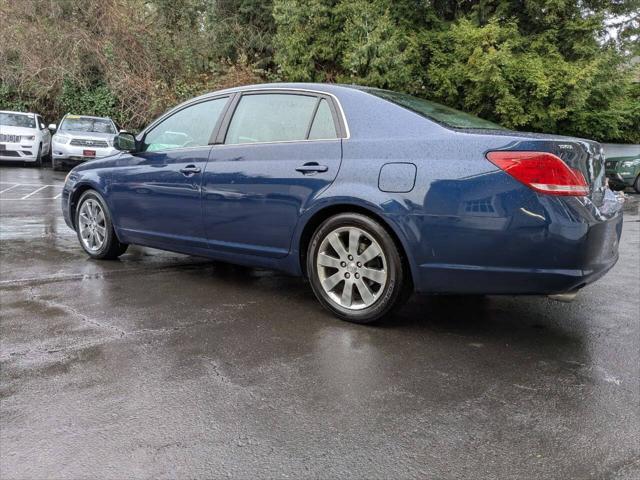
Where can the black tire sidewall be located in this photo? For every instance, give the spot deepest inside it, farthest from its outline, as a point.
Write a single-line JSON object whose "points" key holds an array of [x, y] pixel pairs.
{"points": [[111, 244], [394, 291], [39, 157], [636, 184]]}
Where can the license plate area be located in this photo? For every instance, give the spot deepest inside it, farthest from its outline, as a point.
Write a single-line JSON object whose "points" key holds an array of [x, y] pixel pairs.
{"points": [[89, 153]]}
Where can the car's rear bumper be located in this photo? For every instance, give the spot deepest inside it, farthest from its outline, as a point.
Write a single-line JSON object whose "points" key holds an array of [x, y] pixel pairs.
{"points": [[471, 279], [556, 246]]}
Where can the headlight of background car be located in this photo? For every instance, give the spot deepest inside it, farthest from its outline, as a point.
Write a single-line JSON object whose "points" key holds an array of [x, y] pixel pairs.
{"points": [[61, 139]]}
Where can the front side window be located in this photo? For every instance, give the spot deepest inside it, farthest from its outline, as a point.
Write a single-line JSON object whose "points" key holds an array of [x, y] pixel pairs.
{"points": [[17, 120], [189, 127], [271, 117], [76, 123]]}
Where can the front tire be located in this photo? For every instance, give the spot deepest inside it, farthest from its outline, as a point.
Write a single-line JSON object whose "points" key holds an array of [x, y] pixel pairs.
{"points": [[38, 162], [636, 184], [355, 268], [95, 229]]}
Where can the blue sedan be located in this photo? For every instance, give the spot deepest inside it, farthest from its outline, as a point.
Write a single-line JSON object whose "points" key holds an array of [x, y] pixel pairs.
{"points": [[368, 193]]}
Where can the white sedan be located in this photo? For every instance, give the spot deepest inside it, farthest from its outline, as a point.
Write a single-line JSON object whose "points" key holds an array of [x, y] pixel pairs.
{"points": [[24, 137]]}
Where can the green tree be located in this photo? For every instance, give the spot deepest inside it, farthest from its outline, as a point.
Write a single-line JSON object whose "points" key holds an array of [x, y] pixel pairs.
{"points": [[542, 65]]}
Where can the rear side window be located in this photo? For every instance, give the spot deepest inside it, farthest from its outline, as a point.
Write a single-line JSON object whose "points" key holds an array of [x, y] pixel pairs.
{"points": [[190, 127], [434, 111], [323, 126], [271, 117]]}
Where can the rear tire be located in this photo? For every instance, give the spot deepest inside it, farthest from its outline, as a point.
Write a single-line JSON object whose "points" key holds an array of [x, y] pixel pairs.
{"points": [[356, 269], [95, 229], [636, 184]]}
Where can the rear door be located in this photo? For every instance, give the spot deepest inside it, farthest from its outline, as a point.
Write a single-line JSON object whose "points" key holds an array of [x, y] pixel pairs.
{"points": [[156, 194], [278, 150]]}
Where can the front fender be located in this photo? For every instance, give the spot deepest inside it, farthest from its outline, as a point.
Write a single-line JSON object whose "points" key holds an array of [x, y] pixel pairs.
{"points": [[76, 184]]}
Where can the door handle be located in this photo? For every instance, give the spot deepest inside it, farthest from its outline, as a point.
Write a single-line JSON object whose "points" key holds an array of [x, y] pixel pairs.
{"points": [[312, 167], [190, 170]]}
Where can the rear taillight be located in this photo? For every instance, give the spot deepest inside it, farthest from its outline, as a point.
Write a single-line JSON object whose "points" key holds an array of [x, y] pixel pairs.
{"points": [[541, 171]]}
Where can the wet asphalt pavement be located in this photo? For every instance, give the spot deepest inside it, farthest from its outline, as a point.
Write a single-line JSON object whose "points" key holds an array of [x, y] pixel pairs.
{"points": [[163, 365]]}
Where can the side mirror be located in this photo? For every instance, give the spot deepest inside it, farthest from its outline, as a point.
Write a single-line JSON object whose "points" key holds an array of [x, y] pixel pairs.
{"points": [[125, 142], [53, 127]]}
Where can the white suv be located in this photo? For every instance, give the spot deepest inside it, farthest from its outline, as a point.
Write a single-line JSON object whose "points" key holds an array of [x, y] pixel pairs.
{"points": [[80, 138], [23, 137]]}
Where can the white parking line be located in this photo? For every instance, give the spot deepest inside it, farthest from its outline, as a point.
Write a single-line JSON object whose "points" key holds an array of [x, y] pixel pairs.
{"points": [[31, 184], [7, 189], [29, 196], [28, 199], [34, 192]]}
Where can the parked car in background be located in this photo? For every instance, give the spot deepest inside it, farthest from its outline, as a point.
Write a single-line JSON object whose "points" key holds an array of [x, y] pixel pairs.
{"points": [[24, 137], [371, 194], [624, 172], [79, 138]]}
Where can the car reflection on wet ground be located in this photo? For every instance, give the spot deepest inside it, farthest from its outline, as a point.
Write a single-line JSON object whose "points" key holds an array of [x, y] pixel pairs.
{"points": [[162, 365]]}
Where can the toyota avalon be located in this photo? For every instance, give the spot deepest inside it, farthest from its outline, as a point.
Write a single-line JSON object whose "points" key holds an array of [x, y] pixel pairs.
{"points": [[370, 194]]}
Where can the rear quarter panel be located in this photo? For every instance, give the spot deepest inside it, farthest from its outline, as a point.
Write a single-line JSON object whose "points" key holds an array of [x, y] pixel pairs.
{"points": [[465, 221]]}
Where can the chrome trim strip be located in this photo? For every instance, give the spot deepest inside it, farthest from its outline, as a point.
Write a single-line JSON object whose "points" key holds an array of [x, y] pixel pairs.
{"points": [[278, 141]]}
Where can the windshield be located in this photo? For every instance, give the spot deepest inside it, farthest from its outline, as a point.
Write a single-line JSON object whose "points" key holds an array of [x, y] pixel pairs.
{"points": [[17, 120], [435, 111], [87, 124]]}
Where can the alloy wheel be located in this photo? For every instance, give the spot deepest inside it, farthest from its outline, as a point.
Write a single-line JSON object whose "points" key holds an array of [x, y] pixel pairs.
{"points": [[352, 267], [92, 224]]}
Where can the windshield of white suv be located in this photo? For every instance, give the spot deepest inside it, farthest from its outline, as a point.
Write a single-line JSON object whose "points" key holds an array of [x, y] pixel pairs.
{"points": [[87, 124], [17, 120], [434, 111]]}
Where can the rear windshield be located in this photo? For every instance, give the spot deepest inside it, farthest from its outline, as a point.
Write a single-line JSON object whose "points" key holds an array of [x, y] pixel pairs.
{"points": [[87, 124], [17, 120], [435, 111]]}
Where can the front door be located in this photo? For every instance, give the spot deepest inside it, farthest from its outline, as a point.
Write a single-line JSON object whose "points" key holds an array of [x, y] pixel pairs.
{"points": [[279, 152], [156, 193]]}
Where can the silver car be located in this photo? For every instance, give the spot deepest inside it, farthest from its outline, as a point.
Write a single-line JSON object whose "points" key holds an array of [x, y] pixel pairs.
{"points": [[23, 137], [79, 138]]}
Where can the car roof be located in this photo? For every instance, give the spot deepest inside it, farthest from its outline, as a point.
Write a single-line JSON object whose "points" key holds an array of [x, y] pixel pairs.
{"points": [[73, 115], [19, 113], [349, 97], [329, 88], [618, 158]]}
